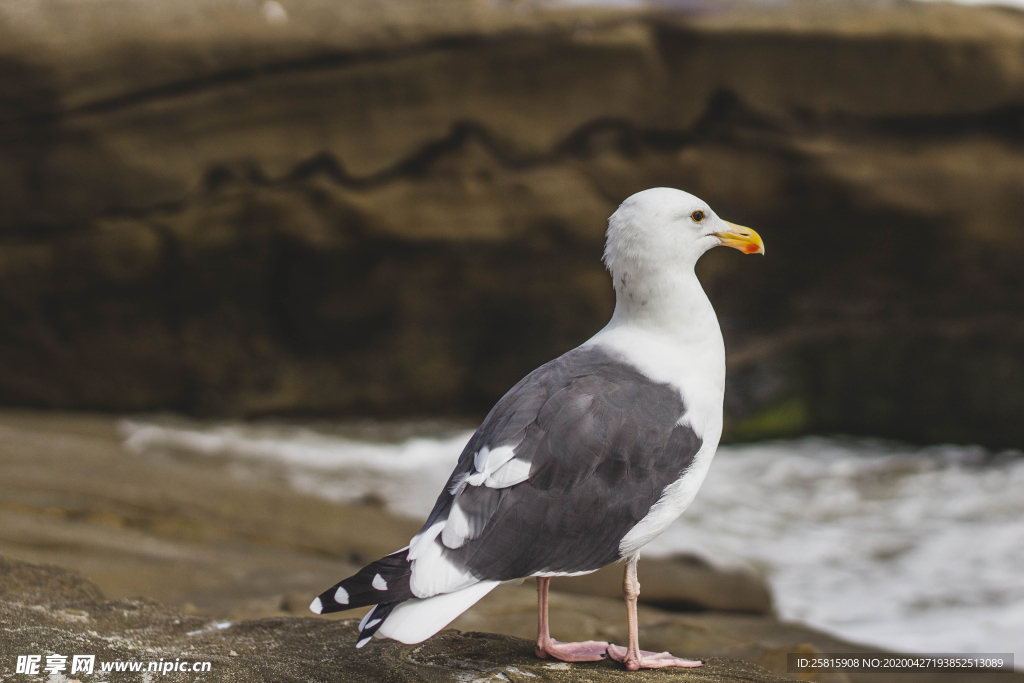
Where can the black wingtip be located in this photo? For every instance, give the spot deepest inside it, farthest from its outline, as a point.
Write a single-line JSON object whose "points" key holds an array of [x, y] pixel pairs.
{"points": [[380, 582], [339, 597], [373, 620]]}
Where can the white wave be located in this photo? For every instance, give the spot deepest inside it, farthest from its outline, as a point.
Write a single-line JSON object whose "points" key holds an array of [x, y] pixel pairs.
{"points": [[914, 550], [917, 550], [407, 474], [300, 446]]}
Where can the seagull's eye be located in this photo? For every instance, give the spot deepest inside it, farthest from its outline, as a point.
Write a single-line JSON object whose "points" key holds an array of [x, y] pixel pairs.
{"points": [[697, 216]]}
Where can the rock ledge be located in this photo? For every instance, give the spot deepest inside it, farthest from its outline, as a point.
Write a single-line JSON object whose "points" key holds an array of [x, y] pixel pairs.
{"points": [[50, 610]]}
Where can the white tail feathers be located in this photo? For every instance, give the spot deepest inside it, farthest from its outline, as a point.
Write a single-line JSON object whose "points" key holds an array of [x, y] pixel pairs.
{"points": [[417, 619]]}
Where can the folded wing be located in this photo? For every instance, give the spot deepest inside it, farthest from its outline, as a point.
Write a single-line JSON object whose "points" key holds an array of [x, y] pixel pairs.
{"points": [[569, 461]]}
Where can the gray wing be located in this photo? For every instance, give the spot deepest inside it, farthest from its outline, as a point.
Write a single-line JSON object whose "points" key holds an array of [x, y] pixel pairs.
{"points": [[566, 463]]}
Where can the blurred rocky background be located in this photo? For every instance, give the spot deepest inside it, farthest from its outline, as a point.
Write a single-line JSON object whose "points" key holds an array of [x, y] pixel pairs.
{"points": [[317, 210], [234, 208]]}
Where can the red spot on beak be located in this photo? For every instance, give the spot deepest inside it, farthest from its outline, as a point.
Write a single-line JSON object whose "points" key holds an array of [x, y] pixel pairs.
{"points": [[750, 248]]}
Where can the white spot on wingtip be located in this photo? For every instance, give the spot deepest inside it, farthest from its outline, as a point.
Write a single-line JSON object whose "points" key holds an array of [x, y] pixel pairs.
{"points": [[379, 583], [366, 618], [373, 623], [316, 606], [364, 641], [341, 596]]}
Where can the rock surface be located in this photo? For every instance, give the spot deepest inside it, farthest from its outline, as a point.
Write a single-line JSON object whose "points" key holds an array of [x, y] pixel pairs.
{"points": [[47, 610], [186, 532], [398, 207]]}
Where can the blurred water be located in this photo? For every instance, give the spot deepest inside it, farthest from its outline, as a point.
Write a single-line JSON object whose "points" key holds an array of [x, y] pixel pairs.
{"points": [[910, 549], [920, 550]]}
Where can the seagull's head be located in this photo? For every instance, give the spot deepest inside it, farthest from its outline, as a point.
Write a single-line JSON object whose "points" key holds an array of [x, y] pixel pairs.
{"points": [[667, 229]]}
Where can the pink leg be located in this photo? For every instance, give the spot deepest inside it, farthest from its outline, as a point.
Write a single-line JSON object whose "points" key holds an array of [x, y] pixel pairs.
{"points": [[589, 651], [633, 657]]}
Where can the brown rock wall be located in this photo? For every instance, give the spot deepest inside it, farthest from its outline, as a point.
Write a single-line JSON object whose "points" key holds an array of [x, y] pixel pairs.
{"points": [[401, 211]]}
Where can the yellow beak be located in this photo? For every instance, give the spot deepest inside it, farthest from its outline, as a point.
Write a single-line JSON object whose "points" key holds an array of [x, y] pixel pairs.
{"points": [[739, 237]]}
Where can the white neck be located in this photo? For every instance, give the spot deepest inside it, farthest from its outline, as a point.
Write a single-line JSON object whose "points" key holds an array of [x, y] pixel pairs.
{"points": [[673, 304], [668, 329]]}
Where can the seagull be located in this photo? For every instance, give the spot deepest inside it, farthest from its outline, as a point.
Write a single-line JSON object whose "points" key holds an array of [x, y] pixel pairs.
{"points": [[584, 461]]}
